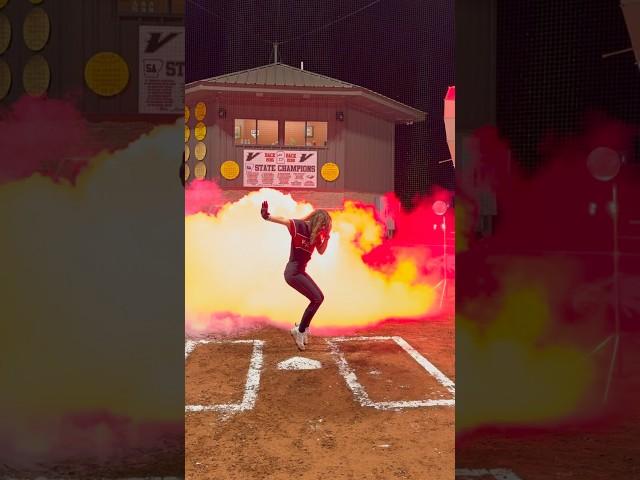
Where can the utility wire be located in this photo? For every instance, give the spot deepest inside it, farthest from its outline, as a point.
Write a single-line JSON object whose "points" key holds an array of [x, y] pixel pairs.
{"points": [[311, 32], [224, 19], [263, 40]]}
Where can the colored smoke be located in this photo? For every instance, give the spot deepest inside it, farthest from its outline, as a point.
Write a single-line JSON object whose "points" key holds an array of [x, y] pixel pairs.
{"points": [[82, 330], [524, 335], [235, 263], [45, 136]]}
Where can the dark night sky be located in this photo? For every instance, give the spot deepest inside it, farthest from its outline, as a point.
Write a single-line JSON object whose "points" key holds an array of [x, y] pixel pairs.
{"points": [[403, 49], [550, 70]]}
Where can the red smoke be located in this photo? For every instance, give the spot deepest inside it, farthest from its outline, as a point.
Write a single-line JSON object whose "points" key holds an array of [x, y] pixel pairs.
{"points": [[548, 242], [96, 435], [418, 231], [46, 136], [202, 196], [550, 210]]}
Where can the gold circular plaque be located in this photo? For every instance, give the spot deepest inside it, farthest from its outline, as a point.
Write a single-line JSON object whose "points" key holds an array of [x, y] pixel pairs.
{"points": [[36, 76], [187, 172], [187, 134], [36, 29], [330, 171], [200, 171], [201, 151], [5, 33], [187, 152], [230, 169], [201, 111], [187, 114], [5, 79], [200, 131], [106, 74]]}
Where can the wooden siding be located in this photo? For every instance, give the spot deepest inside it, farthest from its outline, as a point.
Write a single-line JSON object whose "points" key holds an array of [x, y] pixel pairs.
{"points": [[80, 29], [369, 153], [221, 145]]}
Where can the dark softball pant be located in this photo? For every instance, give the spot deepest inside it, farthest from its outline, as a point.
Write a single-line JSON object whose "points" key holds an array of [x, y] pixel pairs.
{"points": [[304, 284]]}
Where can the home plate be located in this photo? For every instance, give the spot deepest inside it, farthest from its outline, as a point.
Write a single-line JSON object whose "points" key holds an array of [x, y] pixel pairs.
{"points": [[299, 363]]}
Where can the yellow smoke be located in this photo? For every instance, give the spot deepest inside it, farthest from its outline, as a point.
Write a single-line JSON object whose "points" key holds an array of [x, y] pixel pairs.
{"points": [[234, 262], [511, 370], [81, 325]]}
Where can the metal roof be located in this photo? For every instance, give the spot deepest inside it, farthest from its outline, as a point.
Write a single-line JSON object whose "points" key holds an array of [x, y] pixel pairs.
{"points": [[280, 75], [280, 78]]}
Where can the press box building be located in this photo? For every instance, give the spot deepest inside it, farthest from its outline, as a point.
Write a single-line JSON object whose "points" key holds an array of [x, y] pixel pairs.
{"points": [[277, 126]]}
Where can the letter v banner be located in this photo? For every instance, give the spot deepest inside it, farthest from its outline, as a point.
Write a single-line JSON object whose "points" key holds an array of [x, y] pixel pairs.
{"points": [[161, 70]]}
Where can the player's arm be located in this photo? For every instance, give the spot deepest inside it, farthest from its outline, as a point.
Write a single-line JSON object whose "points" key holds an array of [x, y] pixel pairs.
{"points": [[324, 241], [272, 218]]}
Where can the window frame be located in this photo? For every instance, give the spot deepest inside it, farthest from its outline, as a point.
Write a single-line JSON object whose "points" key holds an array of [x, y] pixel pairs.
{"points": [[257, 130], [282, 125], [306, 131]]}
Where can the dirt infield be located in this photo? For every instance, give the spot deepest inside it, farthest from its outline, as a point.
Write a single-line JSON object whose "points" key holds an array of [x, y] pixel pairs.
{"points": [[308, 424], [602, 446]]}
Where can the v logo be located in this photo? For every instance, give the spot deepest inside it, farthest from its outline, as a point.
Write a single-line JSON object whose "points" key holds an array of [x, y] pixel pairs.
{"points": [[156, 41]]}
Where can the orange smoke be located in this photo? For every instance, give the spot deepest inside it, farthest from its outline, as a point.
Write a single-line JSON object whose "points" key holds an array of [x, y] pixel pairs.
{"points": [[234, 264]]}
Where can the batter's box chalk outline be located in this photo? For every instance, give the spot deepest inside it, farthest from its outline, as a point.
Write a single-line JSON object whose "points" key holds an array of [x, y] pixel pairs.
{"points": [[251, 386], [497, 473], [363, 397]]}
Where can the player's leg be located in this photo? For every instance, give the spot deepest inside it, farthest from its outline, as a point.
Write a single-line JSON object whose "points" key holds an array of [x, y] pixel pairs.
{"points": [[307, 287], [315, 296]]}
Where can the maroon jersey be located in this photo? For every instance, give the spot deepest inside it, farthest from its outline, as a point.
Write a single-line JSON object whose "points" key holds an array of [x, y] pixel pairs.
{"points": [[301, 248]]}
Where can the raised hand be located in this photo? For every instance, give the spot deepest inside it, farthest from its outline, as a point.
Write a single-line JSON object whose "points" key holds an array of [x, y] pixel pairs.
{"points": [[264, 211]]}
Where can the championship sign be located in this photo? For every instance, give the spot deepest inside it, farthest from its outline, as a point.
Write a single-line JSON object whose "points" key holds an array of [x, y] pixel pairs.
{"points": [[161, 85], [280, 168]]}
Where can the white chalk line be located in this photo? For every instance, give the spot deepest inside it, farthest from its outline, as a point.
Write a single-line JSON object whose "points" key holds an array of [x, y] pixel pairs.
{"points": [[361, 394], [251, 387], [497, 473]]}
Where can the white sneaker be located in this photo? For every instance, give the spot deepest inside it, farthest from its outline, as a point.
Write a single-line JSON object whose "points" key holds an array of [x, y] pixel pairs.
{"points": [[297, 337], [305, 335]]}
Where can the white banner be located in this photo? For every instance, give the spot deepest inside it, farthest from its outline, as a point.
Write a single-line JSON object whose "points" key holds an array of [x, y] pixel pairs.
{"points": [[161, 72], [280, 168]]}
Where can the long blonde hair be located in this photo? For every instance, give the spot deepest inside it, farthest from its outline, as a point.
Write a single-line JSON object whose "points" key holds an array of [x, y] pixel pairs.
{"points": [[318, 220]]}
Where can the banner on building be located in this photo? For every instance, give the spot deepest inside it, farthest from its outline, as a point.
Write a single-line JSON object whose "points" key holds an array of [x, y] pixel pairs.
{"points": [[161, 82], [280, 168]]}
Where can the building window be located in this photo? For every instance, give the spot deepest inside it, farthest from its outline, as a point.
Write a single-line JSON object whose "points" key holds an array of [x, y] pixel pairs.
{"points": [[267, 132], [294, 133], [309, 134], [243, 130], [255, 132], [316, 134]]}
